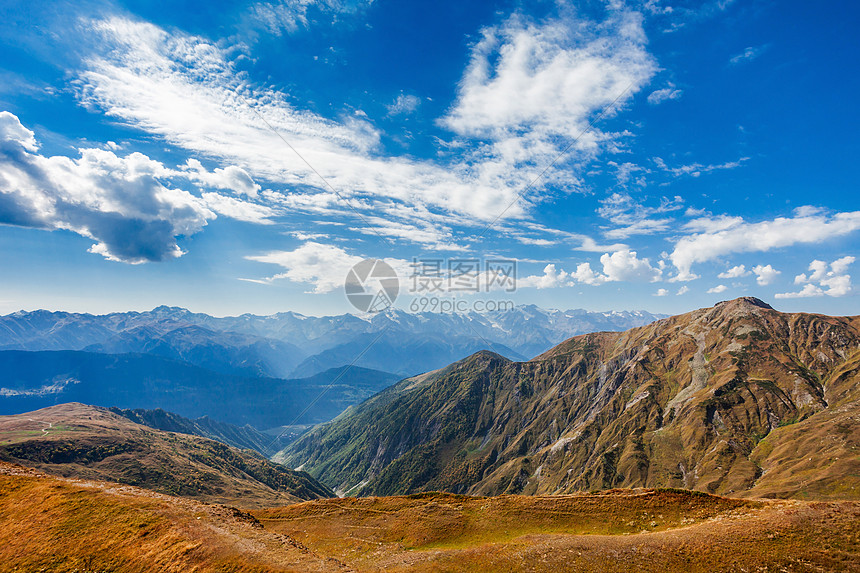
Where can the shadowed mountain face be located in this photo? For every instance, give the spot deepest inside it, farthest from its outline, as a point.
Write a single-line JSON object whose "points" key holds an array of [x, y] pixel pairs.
{"points": [[738, 398], [74, 440], [243, 437], [32, 380]]}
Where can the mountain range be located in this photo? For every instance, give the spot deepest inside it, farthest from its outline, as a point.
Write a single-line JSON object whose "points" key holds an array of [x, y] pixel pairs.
{"points": [[736, 399], [291, 345], [689, 415]]}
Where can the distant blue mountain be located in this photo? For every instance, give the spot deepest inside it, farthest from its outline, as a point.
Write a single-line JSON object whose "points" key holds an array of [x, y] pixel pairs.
{"points": [[32, 380], [288, 344]]}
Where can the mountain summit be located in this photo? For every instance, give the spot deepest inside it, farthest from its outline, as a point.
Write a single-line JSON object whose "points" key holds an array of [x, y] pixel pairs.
{"points": [[734, 399]]}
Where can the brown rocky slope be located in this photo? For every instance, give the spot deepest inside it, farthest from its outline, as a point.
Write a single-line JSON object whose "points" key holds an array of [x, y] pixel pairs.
{"points": [[89, 442], [736, 399]]}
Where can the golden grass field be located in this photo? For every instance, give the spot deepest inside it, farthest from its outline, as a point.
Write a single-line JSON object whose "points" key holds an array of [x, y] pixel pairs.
{"points": [[69, 525]]}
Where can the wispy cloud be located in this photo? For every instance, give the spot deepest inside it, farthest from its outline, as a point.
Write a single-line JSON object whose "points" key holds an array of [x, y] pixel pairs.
{"points": [[634, 217], [403, 104], [286, 16], [697, 169], [750, 53], [190, 93], [665, 94]]}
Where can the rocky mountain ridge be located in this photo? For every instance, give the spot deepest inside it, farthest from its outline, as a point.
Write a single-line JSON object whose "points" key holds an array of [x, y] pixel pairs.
{"points": [[735, 399]]}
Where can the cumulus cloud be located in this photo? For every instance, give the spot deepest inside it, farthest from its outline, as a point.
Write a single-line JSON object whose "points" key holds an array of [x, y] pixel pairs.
{"points": [[624, 265], [717, 289], [683, 290], [125, 204], [724, 236], [765, 274], [116, 201], [661, 292], [734, 272], [230, 178], [824, 279], [553, 277]]}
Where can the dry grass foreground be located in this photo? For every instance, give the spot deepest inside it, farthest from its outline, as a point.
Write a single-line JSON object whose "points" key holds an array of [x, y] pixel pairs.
{"points": [[65, 525]]}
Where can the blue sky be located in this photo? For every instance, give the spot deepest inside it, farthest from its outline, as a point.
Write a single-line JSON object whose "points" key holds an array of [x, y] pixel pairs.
{"points": [[241, 157]]}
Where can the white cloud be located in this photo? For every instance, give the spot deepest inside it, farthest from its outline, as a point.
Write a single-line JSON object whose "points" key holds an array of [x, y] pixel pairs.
{"points": [[403, 104], [717, 289], [625, 172], [530, 88], [750, 53], [230, 178], [302, 236], [697, 169], [683, 290], [189, 92], [323, 266], [534, 242], [584, 274], [743, 237], [551, 278], [807, 210], [126, 204], [238, 209], [116, 201], [661, 292], [734, 272], [549, 78], [625, 266], [712, 224], [765, 274], [634, 217], [833, 282], [659, 96], [279, 16]]}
